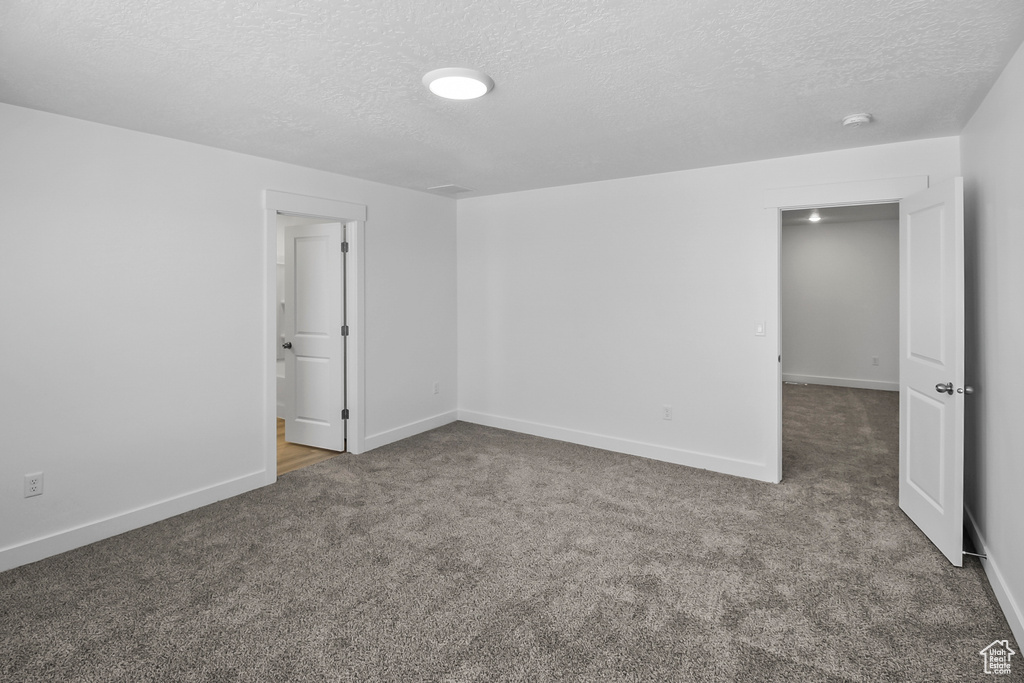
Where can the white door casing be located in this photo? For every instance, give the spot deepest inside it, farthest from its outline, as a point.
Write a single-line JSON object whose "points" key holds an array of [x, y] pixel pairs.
{"points": [[776, 200], [932, 356], [313, 312]]}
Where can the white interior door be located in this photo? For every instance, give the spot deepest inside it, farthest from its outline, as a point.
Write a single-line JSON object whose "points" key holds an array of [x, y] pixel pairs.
{"points": [[932, 388], [313, 341]]}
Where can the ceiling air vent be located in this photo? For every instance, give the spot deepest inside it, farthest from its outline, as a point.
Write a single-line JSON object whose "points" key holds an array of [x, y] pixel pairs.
{"points": [[450, 190]]}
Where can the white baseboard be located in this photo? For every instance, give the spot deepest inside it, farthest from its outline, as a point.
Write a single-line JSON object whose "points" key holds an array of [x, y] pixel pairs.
{"points": [[842, 382], [411, 429], [69, 539], [704, 461], [1011, 608]]}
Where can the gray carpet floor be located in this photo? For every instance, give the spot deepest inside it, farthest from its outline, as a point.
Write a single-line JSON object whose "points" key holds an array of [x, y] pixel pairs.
{"points": [[475, 554]]}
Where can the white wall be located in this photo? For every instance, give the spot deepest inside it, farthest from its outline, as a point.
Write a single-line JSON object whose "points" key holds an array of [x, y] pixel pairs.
{"points": [[993, 159], [584, 309], [132, 280], [841, 304]]}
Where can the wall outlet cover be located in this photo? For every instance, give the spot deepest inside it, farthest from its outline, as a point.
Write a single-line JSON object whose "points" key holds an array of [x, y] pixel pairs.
{"points": [[33, 484]]}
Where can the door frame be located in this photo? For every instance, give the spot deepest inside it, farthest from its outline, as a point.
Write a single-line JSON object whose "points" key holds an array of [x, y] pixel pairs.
{"points": [[353, 217], [881, 191]]}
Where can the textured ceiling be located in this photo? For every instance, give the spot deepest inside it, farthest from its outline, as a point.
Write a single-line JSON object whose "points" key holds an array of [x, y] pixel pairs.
{"points": [[585, 89]]}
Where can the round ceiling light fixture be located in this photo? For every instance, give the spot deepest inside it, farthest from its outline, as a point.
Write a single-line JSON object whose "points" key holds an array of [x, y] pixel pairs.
{"points": [[455, 83], [856, 120], [814, 217]]}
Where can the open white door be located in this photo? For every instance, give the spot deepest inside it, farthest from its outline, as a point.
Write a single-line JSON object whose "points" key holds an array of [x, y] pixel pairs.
{"points": [[313, 339], [932, 364]]}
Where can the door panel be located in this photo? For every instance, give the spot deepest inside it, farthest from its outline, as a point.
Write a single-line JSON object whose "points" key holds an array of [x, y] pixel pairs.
{"points": [[313, 402], [926, 292], [932, 354], [312, 298], [925, 454], [314, 365]]}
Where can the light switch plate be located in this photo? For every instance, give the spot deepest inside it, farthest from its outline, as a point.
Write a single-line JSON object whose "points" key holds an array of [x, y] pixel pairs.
{"points": [[759, 329]]}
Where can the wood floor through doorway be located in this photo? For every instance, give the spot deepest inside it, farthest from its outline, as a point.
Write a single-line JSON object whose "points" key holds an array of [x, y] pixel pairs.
{"points": [[293, 456]]}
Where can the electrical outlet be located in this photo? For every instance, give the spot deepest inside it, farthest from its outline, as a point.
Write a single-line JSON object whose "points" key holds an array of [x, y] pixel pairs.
{"points": [[874, 360], [33, 484], [666, 412], [437, 387]]}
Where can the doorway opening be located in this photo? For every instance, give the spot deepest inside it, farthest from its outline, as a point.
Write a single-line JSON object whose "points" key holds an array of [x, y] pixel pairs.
{"points": [[311, 330], [931, 341], [776, 202], [340, 323], [839, 331]]}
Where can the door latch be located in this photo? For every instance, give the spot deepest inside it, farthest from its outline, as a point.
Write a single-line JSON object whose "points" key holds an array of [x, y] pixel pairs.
{"points": [[947, 388]]}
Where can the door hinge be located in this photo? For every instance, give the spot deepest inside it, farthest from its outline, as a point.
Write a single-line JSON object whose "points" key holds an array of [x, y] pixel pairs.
{"points": [[344, 247], [344, 414], [344, 330]]}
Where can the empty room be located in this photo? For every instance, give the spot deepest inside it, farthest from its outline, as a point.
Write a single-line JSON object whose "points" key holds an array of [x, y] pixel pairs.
{"points": [[468, 341]]}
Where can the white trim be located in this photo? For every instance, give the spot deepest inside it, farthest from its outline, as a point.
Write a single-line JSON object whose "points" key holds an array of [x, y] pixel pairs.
{"points": [[91, 532], [302, 205], [354, 216], [834, 194], [355, 303], [842, 382], [1011, 608], [677, 456], [844, 194], [775, 286], [411, 429]]}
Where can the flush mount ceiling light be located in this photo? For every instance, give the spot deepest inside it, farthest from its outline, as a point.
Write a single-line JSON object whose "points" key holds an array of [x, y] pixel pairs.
{"points": [[454, 83], [814, 217], [856, 120]]}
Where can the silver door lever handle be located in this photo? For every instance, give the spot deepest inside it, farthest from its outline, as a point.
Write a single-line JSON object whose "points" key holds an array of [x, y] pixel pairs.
{"points": [[288, 345], [944, 388]]}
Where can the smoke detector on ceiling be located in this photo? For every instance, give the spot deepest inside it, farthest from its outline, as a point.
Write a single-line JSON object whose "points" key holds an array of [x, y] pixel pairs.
{"points": [[856, 120]]}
